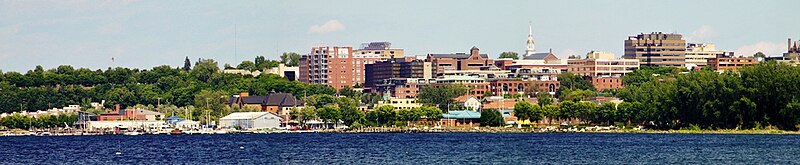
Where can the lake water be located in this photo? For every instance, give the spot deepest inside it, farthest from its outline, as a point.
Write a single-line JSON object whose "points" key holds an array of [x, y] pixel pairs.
{"points": [[403, 148]]}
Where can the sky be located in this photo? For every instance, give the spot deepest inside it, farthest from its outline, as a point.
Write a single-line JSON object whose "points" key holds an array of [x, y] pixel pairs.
{"points": [[148, 33]]}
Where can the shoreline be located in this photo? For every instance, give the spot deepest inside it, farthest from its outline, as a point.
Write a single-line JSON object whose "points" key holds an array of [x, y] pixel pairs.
{"points": [[525, 130]]}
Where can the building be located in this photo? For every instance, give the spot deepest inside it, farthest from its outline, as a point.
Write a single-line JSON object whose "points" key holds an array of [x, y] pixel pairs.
{"points": [[657, 49], [337, 67], [730, 63], [242, 72], [699, 54], [382, 49], [250, 120], [792, 52], [130, 114], [461, 61], [400, 103], [477, 86], [380, 71], [461, 118], [531, 49], [470, 102], [600, 64], [401, 87], [275, 103], [603, 83], [289, 72]]}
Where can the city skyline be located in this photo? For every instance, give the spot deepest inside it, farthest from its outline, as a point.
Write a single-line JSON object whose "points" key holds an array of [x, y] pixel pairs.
{"points": [[144, 34]]}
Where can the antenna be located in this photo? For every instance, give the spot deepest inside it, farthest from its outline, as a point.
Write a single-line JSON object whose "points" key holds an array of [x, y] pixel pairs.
{"points": [[235, 39]]}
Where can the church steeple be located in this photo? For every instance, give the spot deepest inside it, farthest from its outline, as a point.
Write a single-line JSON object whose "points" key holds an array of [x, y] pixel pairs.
{"points": [[531, 49]]}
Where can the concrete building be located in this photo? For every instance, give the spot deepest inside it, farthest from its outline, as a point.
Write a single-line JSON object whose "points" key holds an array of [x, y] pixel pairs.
{"points": [[242, 72], [534, 61], [250, 120], [600, 64], [131, 114], [400, 103], [699, 54], [730, 63], [657, 49], [401, 87], [380, 71], [337, 67], [477, 86], [460, 61], [289, 72], [381, 49]]}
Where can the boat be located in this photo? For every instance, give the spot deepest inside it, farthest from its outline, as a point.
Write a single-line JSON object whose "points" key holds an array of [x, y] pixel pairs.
{"points": [[132, 133], [176, 132]]}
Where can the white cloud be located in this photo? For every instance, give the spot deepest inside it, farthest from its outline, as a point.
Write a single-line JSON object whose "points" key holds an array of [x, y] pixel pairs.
{"points": [[701, 34], [110, 28], [768, 48], [330, 26]]}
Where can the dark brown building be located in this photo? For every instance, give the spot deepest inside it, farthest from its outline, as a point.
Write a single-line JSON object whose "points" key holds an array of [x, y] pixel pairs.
{"points": [[461, 61]]}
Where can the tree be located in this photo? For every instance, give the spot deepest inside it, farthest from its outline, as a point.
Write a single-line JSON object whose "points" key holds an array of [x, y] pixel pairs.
{"points": [[544, 99], [350, 111], [430, 113], [522, 110], [247, 65], [441, 96], [211, 103], [187, 65], [383, 115], [290, 58], [491, 117], [329, 113], [512, 55], [409, 114], [261, 62], [205, 69], [303, 115], [570, 81], [551, 112], [759, 54], [348, 92]]}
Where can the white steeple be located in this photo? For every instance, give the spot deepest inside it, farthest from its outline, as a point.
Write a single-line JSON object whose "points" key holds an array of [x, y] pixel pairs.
{"points": [[531, 49]]}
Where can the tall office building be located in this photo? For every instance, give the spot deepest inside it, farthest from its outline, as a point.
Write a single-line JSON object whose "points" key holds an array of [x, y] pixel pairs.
{"points": [[657, 49], [340, 67]]}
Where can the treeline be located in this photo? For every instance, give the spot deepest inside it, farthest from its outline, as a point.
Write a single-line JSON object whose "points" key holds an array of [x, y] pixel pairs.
{"points": [[43, 121], [40, 89], [344, 110], [752, 97]]}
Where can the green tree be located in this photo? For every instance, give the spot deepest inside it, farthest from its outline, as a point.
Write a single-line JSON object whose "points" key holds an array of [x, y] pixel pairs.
{"points": [[491, 117], [290, 58], [570, 81], [544, 99], [303, 115], [247, 65], [759, 54], [512, 55], [350, 111], [522, 110], [441, 96], [430, 113], [384, 115], [187, 65], [329, 113]]}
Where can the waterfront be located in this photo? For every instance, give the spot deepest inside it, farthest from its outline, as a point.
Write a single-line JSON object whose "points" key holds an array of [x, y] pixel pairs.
{"points": [[405, 148]]}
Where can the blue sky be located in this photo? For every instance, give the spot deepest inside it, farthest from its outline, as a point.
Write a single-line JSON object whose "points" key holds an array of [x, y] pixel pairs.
{"points": [[144, 34]]}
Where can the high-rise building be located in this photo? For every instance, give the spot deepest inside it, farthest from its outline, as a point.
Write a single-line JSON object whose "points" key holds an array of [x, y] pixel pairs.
{"points": [[382, 49], [396, 68], [334, 66], [699, 54], [657, 49]]}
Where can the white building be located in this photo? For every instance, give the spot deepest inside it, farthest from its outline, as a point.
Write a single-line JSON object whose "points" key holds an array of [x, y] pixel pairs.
{"points": [[292, 73], [472, 103], [698, 54], [250, 120], [400, 103]]}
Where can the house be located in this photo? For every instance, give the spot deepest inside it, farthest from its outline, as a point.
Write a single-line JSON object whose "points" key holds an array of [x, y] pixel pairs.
{"points": [[470, 102], [250, 120], [275, 103]]}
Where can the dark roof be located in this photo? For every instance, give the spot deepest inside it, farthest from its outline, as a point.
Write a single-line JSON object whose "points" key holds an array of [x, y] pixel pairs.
{"points": [[253, 99], [275, 99], [537, 56], [281, 100], [456, 55]]}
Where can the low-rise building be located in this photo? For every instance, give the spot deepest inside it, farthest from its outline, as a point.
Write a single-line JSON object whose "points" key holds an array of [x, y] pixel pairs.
{"points": [[250, 120], [730, 63], [400, 103], [289, 72], [603, 83], [275, 103], [600, 64], [131, 114], [460, 61]]}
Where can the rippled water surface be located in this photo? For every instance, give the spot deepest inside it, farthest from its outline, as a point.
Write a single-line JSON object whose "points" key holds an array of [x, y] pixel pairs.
{"points": [[400, 148]]}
